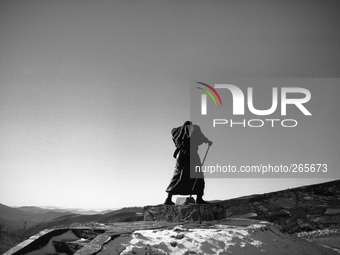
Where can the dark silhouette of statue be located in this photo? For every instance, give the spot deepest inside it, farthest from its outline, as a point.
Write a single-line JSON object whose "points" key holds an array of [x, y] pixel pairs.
{"points": [[187, 138]]}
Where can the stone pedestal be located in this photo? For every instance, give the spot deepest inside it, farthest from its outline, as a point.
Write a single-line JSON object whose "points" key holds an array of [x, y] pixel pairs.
{"points": [[184, 213]]}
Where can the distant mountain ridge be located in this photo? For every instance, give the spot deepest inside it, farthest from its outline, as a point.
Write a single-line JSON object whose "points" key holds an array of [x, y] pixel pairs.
{"points": [[35, 219], [33, 209], [14, 218], [122, 215], [41, 209]]}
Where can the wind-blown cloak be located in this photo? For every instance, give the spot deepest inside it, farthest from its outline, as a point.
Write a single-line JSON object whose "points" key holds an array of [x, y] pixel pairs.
{"points": [[187, 138]]}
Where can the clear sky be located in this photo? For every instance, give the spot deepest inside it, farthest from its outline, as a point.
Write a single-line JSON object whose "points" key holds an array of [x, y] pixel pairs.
{"points": [[90, 90]]}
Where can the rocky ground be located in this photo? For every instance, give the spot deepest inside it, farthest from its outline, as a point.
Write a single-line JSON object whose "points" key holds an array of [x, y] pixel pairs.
{"points": [[308, 208], [231, 236]]}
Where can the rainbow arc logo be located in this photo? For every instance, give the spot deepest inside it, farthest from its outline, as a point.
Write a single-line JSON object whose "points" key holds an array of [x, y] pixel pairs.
{"points": [[208, 92], [204, 97]]}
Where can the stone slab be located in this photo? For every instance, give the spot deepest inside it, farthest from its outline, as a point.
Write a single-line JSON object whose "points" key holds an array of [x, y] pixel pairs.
{"points": [[89, 249], [35, 241], [94, 246]]}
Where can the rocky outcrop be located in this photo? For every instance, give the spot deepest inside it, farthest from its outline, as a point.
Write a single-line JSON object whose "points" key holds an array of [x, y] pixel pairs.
{"points": [[300, 209], [184, 213]]}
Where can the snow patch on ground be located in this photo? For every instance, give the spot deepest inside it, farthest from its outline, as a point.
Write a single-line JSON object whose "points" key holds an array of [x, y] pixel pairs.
{"points": [[219, 239]]}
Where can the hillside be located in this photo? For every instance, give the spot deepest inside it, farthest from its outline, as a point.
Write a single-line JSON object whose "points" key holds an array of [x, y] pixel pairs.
{"points": [[14, 218], [12, 225], [10, 213], [299, 209]]}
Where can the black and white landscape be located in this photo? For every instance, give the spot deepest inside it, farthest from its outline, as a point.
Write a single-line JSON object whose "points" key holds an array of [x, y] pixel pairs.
{"points": [[90, 91]]}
